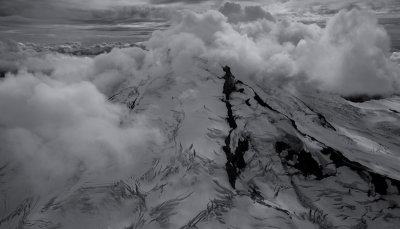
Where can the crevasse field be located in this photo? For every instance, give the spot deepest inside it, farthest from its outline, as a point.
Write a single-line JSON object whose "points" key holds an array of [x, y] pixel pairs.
{"points": [[138, 123]]}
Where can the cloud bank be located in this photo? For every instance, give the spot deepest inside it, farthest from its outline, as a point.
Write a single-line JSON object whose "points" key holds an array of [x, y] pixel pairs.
{"points": [[350, 56], [57, 126]]}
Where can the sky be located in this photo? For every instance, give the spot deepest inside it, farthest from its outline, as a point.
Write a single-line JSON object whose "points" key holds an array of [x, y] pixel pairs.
{"points": [[67, 9], [60, 21]]}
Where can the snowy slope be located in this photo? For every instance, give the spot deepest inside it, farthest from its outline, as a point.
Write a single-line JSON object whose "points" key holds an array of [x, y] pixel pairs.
{"points": [[295, 161]]}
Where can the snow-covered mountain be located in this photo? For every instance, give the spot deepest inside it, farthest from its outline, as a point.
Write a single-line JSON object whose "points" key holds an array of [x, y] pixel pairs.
{"points": [[165, 137], [249, 158]]}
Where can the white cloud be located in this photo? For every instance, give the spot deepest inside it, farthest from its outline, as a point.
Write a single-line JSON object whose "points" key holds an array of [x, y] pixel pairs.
{"points": [[59, 126], [350, 56]]}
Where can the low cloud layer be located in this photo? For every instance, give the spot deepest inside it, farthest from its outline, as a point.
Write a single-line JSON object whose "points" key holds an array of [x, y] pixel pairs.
{"points": [[57, 125]]}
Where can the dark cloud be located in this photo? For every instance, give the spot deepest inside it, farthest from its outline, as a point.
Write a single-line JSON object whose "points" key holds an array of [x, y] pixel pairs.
{"points": [[177, 1], [47, 11], [76, 9], [129, 13], [236, 13], [23, 7], [41, 10], [331, 7]]}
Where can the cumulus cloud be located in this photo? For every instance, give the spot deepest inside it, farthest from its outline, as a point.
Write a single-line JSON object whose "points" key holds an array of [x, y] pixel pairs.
{"points": [[11, 55], [56, 123], [105, 71], [350, 56]]}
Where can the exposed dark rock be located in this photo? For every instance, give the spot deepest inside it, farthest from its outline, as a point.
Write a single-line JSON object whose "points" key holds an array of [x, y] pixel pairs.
{"points": [[255, 194], [230, 165], [230, 117], [248, 102], [362, 98], [238, 157], [301, 160], [321, 118], [235, 160], [229, 84], [339, 160], [305, 163], [379, 182], [262, 103], [239, 82], [324, 123], [131, 105], [294, 125], [281, 146]]}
